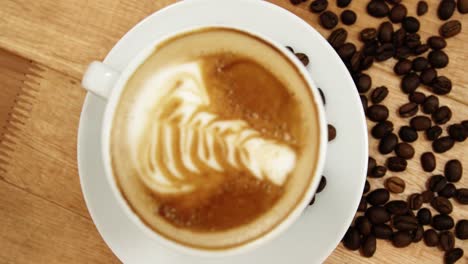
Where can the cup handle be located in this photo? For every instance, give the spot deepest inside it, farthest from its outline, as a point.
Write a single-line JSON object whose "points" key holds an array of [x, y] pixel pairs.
{"points": [[99, 79]]}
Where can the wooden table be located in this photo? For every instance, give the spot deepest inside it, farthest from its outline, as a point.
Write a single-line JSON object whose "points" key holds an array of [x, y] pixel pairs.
{"points": [[46, 45]]}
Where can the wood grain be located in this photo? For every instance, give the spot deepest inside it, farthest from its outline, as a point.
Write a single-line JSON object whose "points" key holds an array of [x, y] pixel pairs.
{"points": [[43, 216]]}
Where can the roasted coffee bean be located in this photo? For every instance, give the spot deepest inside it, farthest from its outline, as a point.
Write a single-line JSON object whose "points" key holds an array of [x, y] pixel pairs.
{"points": [[408, 109], [352, 239], [420, 123], [433, 132], [458, 132], [438, 59], [378, 8], [363, 83], [396, 164], [362, 204], [453, 170], [331, 132], [441, 85], [461, 229], [442, 222], [337, 38], [398, 13], [422, 8], [465, 124], [377, 113], [410, 82], [404, 150], [446, 240], [427, 196], [371, 163], [402, 67], [378, 172], [385, 52], [388, 143], [318, 6], [355, 62], [418, 234], [395, 184], [379, 94], [401, 239], [377, 215], [442, 115], [431, 238], [450, 29], [402, 53], [415, 201], [436, 42], [412, 40], [303, 58], [343, 3], [385, 32], [436, 183], [378, 197], [448, 191], [366, 63], [453, 255], [446, 9], [348, 17], [431, 104], [405, 222], [296, 2], [411, 24], [397, 207], [363, 225], [420, 49], [442, 205], [322, 95], [312, 201], [408, 134], [328, 19], [290, 49], [399, 37], [428, 161], [442, 144], [382, 231], [322, 184], [382, 129], [366, 187], [369, 245], [428, 75], [417, 98], [424, 216], [420, 64], [462, 195], [462, 6], [368, 34]]}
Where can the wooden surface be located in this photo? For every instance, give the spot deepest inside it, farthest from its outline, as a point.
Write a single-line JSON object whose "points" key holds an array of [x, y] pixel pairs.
{"points": [[43, 218]]}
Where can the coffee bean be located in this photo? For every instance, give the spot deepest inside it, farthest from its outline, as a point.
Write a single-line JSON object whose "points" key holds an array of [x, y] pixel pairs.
{"points": [[446, 9], [422, 8], [461, 229], [382, 129], [331, 132], [337, 38], [401, 239], [385, 52], [465, 124], [410, 82], [399, 37], [436, 42], [415, 201], [438, 59], [363, 83], [368, 34], [318, 6], [436, 183], [404, 150], [348, 17], [355, 62], [296, 2], [442, 115], [369, 246], [382, 231], [417, 98], [362, 204], [428, 161], [379, 94], [427, 196], [378, 197], [387, 144], [431, 104], [448, 191], [420, 49], [312, 201], [396, 164], [458, 132], [453, 170], [322, 184], [343, 3], [408, 109], [446, 240], [402, 67], [442, 222], [398, 13], [395, 184], [420, 123], [462, 6], [462, 195], [411, 24], [441, 85], [328, 19], [385, 32], [377, 215], [378, 172], [397, 207], [442, 144], [428, 75], [303, 58], [378, 8], [420, 64], [363, 225], [412, 40], [405, 222], [424, 216], [442, 205], [377, 113], [371, 163], [352, 239], [418, 234], [366, 186], [431, 238], [453, 255], [408, 134], [450, 29], [433, 132]]}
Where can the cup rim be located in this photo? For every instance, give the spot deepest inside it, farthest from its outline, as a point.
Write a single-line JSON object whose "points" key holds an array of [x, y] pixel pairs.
{"points": [[282, 226]]}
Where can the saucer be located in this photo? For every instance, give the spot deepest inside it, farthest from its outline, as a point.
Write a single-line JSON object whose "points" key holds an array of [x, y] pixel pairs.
{"points": [[319, 230]]}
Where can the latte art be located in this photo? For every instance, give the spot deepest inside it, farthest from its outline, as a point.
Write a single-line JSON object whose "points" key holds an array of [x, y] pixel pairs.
{"points": [[182, 139]]}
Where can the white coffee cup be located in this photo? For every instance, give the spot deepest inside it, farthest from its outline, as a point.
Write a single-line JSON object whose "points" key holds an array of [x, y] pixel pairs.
{"points": [[107, 83]]}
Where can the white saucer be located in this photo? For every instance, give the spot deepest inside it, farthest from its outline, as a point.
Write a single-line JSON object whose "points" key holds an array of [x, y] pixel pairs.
{"points": [[314, 236]]}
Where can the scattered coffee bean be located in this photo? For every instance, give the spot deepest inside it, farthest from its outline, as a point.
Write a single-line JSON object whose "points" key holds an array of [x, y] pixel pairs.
{"points": [[343, 3], [396, 164], [446, 240], [450, 29], [387, 144], [427, 196], [438, 59], [442, 222], [436, 42], [417, 98], [410, 82], [385, 32], [378, 172], [436, 183], [458, 132], [363, 225], [317, 6], [446, 9], [377, 113], [303, 58], [397, 207], [379, 94], [405, 222], [442, 205], [412, 40], [442, 115], [428, 75], [362, 204], [411, 24], [296, 2], [377, 215], [404, 150], [431, 238], [364, 102], [382, 231], [331, 132], [431, 104], [401, 239], [395, 184], [462, 195], [418, 234], [385, 52], [420, 49], [337, 38], [465, 124], [420, 123], [428, 161], [424, 216], [453, 255], [322, 184], [462, 6], [366, 63], [328, 19], [448, 191], [442, 144], [408, 109], [290, 49], [366, 186], [371, 163], [461, 229], [402, 67], [415, 201], [422, 8], [348, 17], [441, 85], [378, 197], [368, 34], [352, 239], [369, 245], [363, 83], [408, 134], [433, 132], [399, 37], [420, 64], [398, 13], [378, 8], [453, 170], [382, 129]]}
